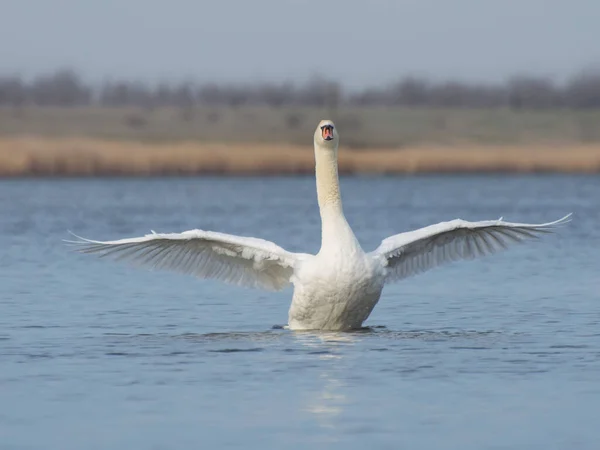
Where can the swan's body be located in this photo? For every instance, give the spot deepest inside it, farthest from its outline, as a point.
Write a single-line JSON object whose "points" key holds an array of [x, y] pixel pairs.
{"points": [[337, 288]]}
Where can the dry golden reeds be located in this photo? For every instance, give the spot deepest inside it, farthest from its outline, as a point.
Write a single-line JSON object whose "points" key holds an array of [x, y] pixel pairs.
{"points": [[23, 156]]}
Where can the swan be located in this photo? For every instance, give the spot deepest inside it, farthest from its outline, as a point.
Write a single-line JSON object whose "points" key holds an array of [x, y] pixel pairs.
{"points": [[337, 288]]}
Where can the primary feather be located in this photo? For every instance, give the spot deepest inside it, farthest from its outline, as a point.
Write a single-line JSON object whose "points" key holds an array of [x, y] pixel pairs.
{"points": [[244, 261], [409, 253]]}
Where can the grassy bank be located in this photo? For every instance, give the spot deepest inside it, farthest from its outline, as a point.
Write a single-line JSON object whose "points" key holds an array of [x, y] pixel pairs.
{"points": [[360, 128], [92, 157], [260, 140]]}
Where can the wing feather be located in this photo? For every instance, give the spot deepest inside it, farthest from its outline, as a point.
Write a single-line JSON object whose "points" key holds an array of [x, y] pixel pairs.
{"points": [[409, 253], [245, 261]]}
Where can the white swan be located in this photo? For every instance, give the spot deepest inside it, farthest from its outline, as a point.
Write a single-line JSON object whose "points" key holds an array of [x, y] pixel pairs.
{"points": [[337, 288]]}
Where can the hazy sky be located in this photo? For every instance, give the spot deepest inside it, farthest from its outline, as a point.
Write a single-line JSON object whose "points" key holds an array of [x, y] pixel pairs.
{"points": [[357, 42]]}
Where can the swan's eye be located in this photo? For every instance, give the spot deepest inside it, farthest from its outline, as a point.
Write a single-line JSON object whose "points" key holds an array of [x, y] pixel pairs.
{"points": [[327, 132]]}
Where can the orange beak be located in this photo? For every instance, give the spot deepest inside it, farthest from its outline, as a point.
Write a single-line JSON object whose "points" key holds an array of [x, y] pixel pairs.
{"points": [[327, 132]]}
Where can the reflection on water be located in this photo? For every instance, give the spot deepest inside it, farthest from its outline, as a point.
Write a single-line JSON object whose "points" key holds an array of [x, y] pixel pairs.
{"points": [[327, 403]]}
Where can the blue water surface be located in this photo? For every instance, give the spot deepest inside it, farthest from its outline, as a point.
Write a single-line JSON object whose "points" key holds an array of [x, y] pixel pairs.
{"points": [[497, 353]]}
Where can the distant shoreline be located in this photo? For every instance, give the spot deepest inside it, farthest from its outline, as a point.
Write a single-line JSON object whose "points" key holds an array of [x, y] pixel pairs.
{"points": [[84, 157]]}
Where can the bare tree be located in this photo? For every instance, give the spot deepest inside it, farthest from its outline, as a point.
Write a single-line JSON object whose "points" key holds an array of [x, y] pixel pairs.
{"points": [[13, 91], [411, 91], [62, 88], [583, 90], [532, 93]]}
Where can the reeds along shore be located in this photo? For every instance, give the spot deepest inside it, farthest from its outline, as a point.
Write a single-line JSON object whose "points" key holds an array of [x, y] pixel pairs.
{"points": [[95, 141], [45, 156]]}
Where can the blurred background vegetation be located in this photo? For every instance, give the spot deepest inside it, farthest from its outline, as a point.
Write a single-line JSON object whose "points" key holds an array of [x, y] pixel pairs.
{"points": [[522, 110]]}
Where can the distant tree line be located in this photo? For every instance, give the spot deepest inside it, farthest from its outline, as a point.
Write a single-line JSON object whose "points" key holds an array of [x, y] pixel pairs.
{"points": [[66, 88]]}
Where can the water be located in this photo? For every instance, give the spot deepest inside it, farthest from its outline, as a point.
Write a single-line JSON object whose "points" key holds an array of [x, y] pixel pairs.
{"points": [[502, 352]]}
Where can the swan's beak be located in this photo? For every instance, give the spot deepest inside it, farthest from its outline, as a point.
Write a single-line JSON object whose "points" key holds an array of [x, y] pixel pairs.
{"points": [[327, 132]]}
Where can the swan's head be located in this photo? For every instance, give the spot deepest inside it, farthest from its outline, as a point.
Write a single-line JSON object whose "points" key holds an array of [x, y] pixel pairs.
{"points": [[326, 135]]}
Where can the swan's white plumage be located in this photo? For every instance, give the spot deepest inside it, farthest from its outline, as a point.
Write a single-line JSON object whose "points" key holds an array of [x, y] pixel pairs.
{"points": [[245, 261], [409, 253], [337, 288]]}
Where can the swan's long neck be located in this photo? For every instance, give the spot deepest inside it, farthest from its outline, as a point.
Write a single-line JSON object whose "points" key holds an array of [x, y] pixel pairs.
{"points": [[334, 227], [328, 183]]}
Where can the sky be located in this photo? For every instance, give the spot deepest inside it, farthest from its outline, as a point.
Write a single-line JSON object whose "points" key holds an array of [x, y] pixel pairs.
{"points": [[360, 43]]}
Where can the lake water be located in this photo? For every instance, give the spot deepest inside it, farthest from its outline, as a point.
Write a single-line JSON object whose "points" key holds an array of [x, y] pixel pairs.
{"points": [[496, 353]]}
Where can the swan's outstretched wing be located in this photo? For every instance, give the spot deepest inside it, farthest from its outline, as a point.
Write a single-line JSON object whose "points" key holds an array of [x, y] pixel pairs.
{"points": [[244, 261], [407, 254]]}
